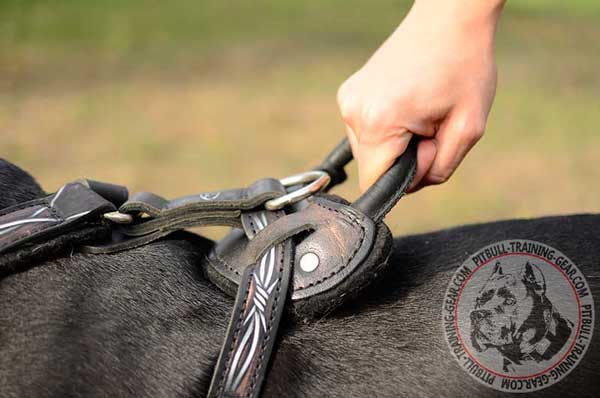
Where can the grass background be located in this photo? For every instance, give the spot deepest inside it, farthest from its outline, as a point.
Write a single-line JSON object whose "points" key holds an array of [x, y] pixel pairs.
{"points": [[185, 96]]}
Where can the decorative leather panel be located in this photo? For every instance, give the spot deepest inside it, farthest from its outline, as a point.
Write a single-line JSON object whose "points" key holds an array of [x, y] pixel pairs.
{"points": [[72, 205], [338, 235], [252, 331]]}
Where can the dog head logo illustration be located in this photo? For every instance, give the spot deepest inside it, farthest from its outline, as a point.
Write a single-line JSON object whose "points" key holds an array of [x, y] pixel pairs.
{"points": [[513, 315], [518, 316]]}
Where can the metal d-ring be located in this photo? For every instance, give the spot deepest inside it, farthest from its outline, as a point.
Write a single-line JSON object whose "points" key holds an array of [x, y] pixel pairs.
{"points": [[311, 181]]}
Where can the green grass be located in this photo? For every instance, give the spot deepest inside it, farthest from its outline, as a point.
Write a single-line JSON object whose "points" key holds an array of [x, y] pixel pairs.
{"points": [[125, 26], [181, 96]]}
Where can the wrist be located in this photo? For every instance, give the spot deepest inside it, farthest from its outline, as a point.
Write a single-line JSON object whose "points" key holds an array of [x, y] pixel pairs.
{"points": [[470, 16]]}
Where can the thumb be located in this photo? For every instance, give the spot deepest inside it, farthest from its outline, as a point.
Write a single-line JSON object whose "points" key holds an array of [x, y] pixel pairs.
{"points": [[375, 158]]}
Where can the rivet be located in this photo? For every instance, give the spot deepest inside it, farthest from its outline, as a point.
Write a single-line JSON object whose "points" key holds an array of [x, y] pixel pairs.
{"points": [[309, 262]]}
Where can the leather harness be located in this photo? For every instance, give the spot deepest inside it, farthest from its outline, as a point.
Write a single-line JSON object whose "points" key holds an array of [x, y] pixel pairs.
{"points": [[292, 253]]}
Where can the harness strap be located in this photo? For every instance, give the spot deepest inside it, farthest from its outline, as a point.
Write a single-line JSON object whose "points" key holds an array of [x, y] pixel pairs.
{"points": [[383, 195], [209, 202], [72, 207], [335, 162], [157, 217], [259, 305]]}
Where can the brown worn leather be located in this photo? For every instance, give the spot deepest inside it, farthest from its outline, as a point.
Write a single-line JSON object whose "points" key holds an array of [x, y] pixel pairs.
{"points": [[74, 205], [260, 301], [340, 236]]}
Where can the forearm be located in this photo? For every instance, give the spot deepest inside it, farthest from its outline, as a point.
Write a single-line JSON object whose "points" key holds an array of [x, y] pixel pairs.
{"points": [[478, 16], [468, 8]]}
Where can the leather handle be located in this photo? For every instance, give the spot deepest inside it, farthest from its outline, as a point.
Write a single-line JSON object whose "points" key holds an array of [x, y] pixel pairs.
{"points": [[334, 163], [381, 197]]}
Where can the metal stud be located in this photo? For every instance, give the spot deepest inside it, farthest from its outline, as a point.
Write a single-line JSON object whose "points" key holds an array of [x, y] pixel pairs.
{"points": [[309, 262]]}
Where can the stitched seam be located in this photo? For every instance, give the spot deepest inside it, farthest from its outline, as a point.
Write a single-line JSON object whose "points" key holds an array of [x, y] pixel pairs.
{"points": [[225, 265], [54, 213], [252, 225], [339, 269], [238, 325], [258, 364], [235, 337], [389, 205], [332, 273]]}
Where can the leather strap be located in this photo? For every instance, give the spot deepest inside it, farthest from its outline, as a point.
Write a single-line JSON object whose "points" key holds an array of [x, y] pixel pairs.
{"points": [[252, 331], [383, 195], [72, 206], [208, 202], [334, 163], [158, 216]]}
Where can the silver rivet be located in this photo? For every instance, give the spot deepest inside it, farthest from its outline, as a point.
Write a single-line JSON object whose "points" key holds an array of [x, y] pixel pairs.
{"points": [[309, 262]]}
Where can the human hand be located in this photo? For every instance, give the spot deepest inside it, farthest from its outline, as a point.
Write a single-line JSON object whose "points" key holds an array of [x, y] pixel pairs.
{"points": [[435, 76]]}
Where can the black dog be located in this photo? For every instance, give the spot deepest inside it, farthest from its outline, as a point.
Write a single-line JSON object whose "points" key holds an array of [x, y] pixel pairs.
{"points": [[146, 323]]}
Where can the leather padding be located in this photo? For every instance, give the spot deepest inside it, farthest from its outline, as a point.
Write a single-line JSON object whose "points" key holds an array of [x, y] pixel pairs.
{"points": [[319, 305], [64, 244], [351, 248]]}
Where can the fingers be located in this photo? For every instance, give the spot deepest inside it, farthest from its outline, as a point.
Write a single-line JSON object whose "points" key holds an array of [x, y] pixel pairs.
{"points": [[437, 158], [457, 135], [353, 140], [379, 132], [376, 140], [426, 152], [375, 158]]}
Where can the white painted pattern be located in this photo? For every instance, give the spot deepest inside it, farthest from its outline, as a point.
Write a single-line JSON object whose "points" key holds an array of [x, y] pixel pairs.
{"points": [[255, 323], [31, 219]]}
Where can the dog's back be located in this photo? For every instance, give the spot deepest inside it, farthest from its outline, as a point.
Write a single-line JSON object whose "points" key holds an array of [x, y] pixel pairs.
{"points": [[147, 323]]}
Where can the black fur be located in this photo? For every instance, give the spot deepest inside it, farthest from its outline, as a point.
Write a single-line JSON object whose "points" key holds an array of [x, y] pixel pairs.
{"points": [[16, 185], [146, 323]]}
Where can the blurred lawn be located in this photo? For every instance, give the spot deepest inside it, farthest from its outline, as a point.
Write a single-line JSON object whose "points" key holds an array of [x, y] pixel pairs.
{"points": [[184, 96]]}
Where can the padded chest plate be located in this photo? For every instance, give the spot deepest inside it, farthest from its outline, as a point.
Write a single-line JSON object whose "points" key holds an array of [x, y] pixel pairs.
{"points": [[345, 250]]}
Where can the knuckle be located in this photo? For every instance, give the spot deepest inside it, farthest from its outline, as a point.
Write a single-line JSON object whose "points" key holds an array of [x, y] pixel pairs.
{"points": [[476, 130], [471, 129], [342, 93], [478, 133], [348, 112], [347, 103], [377, 116]]}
